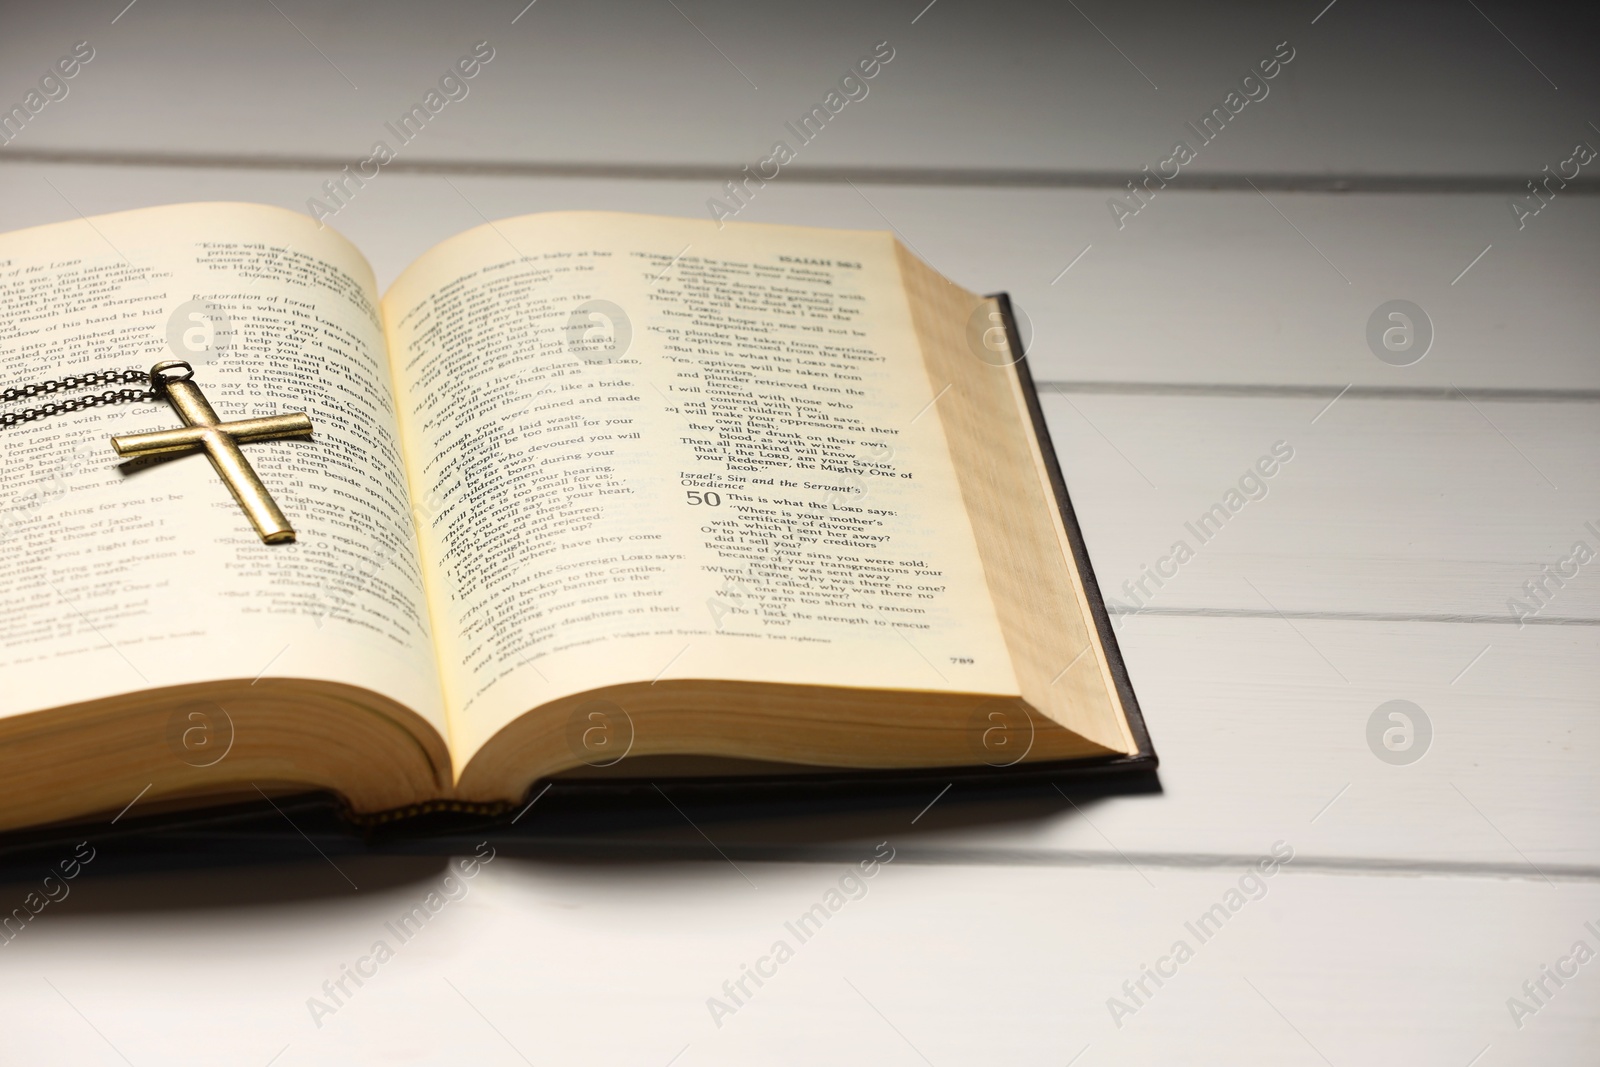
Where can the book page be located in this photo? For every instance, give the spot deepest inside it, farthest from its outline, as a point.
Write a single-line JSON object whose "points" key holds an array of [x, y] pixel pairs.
{"points": [[650, 448], [130, 575]]}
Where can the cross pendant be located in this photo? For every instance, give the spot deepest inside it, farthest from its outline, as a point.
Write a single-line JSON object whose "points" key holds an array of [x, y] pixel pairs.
{"points": [[220, 440]]}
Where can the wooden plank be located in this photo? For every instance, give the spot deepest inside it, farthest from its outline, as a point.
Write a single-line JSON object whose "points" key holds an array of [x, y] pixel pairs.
{"points": [[1211, 288], [1089, 90], [1396, 507], [540, 962]]}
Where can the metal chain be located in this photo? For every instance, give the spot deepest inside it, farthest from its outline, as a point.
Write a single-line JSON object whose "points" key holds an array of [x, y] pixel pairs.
{"points": [[81, 381]]}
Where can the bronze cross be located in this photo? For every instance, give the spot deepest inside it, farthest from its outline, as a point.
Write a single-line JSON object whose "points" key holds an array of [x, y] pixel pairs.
{"points": [[220, 440]]}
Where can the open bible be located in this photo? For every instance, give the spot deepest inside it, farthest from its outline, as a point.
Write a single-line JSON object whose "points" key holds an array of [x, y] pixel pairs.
{"points": [[589, 495]]}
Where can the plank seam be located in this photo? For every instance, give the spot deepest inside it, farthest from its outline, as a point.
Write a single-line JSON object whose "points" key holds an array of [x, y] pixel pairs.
{"points": [[986, 178], [1239, 390], [1355, 616], [1034, 857]]}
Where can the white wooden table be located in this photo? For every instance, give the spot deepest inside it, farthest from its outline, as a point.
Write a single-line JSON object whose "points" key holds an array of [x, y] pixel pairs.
{"points": [[1230, 313]]}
